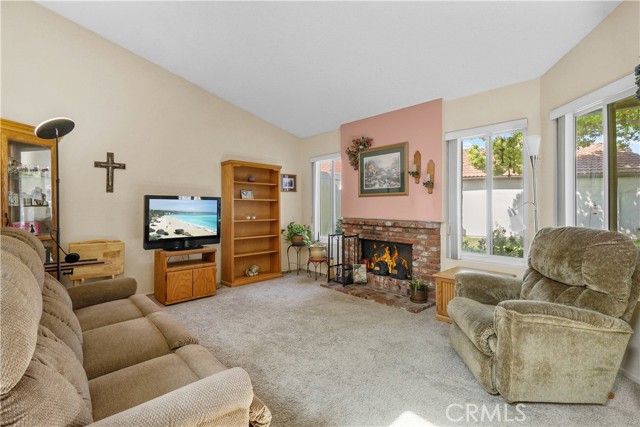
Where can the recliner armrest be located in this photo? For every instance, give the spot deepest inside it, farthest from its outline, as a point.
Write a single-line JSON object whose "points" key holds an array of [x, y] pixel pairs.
{"points": [[102, 291], [560, 315], [487, 288], [213, 400]]}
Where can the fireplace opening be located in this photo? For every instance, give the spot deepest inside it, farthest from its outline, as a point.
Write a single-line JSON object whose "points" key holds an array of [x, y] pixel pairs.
{"points": [[387, 258]]}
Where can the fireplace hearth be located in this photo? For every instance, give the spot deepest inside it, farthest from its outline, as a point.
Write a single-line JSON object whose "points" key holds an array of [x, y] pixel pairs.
{"points": [[420, 238]]}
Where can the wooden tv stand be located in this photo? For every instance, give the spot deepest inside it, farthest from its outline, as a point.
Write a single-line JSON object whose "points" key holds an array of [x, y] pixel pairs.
{"points": [[186, 279]]}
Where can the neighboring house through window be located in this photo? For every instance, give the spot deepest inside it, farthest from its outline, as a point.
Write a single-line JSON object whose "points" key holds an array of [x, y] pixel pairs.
{"points": [[327, 189], [599, 167], [487, 210]]}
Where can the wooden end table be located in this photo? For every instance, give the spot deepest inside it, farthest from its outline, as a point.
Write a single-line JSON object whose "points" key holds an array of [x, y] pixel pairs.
{"points": [[446, 289]]}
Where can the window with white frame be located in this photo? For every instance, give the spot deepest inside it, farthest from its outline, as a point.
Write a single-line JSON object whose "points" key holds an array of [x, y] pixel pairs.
{"points": [[327, 189], [487, 209], [599, 167]]}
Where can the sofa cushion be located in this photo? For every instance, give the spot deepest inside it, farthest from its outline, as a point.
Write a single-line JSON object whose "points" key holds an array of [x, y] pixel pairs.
{"points": [[52, 352], [582, 268], [60, 319], [20, 311], [113, 347], [28, 238], [108, 313], [155, 377], [43, 397], [476, 321], [26, 254], [174, 333], [56, 290]]}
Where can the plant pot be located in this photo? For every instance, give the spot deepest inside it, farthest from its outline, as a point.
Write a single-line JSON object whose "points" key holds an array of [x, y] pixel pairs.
{"points": [[317, 250], [297, 240], [418, 296]]}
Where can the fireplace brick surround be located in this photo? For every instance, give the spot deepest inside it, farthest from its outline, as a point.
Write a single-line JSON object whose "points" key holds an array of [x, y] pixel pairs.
{"points": [[424, 236]]}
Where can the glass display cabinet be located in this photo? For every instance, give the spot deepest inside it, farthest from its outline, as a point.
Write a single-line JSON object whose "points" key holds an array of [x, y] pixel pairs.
{"points": [[27, 180]]}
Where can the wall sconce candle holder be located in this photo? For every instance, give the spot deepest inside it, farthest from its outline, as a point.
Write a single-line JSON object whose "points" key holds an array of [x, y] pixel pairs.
{"points": [[415, 172], [429, 183]]}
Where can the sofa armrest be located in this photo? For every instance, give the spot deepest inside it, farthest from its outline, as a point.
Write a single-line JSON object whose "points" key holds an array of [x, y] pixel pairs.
{"points": [[549, 313], [487, 288], [220, 399], [102, 291]]}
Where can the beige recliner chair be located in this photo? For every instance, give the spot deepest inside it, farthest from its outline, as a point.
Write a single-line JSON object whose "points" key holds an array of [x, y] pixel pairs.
{"points": [[559, 334]]}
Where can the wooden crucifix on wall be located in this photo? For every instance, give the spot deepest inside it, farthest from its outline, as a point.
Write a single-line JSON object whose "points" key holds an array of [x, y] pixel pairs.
{"points": [[109, 165]]}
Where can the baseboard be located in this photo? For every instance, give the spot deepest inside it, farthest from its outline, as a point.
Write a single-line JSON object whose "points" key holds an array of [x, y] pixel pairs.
{"points": [[629, 375]]}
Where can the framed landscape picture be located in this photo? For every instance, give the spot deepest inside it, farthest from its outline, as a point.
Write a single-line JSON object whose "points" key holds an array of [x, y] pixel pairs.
{"points": [[383, 171]]}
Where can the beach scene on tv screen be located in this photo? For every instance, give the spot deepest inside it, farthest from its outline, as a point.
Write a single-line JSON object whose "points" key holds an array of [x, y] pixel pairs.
{"points": [[171, 218]]}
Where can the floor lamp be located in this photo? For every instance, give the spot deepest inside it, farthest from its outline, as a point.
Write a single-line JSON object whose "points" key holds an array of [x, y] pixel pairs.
{"points": [[56, 129], [532, 146], [532, 143]]}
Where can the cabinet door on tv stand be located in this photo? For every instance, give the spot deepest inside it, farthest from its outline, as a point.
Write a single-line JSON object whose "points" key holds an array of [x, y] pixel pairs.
{"points": [[204, 281], [179, 285]]}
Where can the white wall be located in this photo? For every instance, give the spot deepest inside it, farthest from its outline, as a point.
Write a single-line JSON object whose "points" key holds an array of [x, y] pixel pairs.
{"points": [[171, 134]]}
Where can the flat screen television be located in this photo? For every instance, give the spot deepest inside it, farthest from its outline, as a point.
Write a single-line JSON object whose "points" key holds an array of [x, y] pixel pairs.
{"points": [[181, 222]]}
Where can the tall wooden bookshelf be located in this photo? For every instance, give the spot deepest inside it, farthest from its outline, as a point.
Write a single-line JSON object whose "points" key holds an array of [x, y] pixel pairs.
{"points": [[250, 226]]}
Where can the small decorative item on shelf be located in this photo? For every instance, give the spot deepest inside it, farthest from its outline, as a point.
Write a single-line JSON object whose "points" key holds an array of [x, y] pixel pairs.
{"points": [[253, 270], [418, 291], [250, 178], [353, 151], [246, 194], [14, 200], [297, 234]]}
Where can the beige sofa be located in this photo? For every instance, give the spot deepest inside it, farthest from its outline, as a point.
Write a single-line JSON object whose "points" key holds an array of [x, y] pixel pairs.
{"points": [[101, 354], [559, 334]]}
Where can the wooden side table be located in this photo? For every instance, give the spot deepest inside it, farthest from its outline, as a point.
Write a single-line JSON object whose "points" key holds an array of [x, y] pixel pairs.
{"points": [[446, 289]]}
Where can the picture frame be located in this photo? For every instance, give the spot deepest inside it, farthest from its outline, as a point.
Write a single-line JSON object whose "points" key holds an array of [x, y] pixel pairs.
{"points": [[288, 182], [246, 194], [383, 171], [359, 273]]}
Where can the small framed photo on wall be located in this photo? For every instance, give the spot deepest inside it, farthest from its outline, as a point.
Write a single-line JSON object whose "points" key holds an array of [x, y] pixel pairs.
{"points": [[288, 182]]}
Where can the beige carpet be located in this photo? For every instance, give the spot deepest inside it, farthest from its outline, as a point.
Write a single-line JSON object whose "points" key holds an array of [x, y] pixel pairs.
{"points": [[322, 358]]}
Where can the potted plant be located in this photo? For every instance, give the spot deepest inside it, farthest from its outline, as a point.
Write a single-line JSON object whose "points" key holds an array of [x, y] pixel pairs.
{"points": [[297, 234], [418, 291]]}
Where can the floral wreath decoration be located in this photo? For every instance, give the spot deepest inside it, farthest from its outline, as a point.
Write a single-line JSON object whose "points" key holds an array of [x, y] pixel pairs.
{"points": [[357, 146]]}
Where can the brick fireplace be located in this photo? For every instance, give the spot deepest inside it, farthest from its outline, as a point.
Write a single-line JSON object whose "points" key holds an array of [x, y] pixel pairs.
{"points": [[424, 238]]}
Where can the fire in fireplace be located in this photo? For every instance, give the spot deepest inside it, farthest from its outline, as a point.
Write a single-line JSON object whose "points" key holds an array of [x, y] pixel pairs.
{"points": [[388, 258]]}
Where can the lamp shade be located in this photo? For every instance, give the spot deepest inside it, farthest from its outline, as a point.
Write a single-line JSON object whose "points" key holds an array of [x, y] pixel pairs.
{"points": [[52, 128], [532, 143]]}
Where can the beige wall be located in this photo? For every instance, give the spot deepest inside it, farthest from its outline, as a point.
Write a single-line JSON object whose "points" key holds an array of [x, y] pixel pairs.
{"points": [[171, 134]]}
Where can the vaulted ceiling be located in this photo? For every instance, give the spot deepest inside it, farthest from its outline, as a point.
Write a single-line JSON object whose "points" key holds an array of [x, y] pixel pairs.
{"points": [[308, 67]]}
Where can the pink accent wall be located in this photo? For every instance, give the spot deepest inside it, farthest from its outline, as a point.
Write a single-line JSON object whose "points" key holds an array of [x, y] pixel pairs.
{"points": [[421, 126]]}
